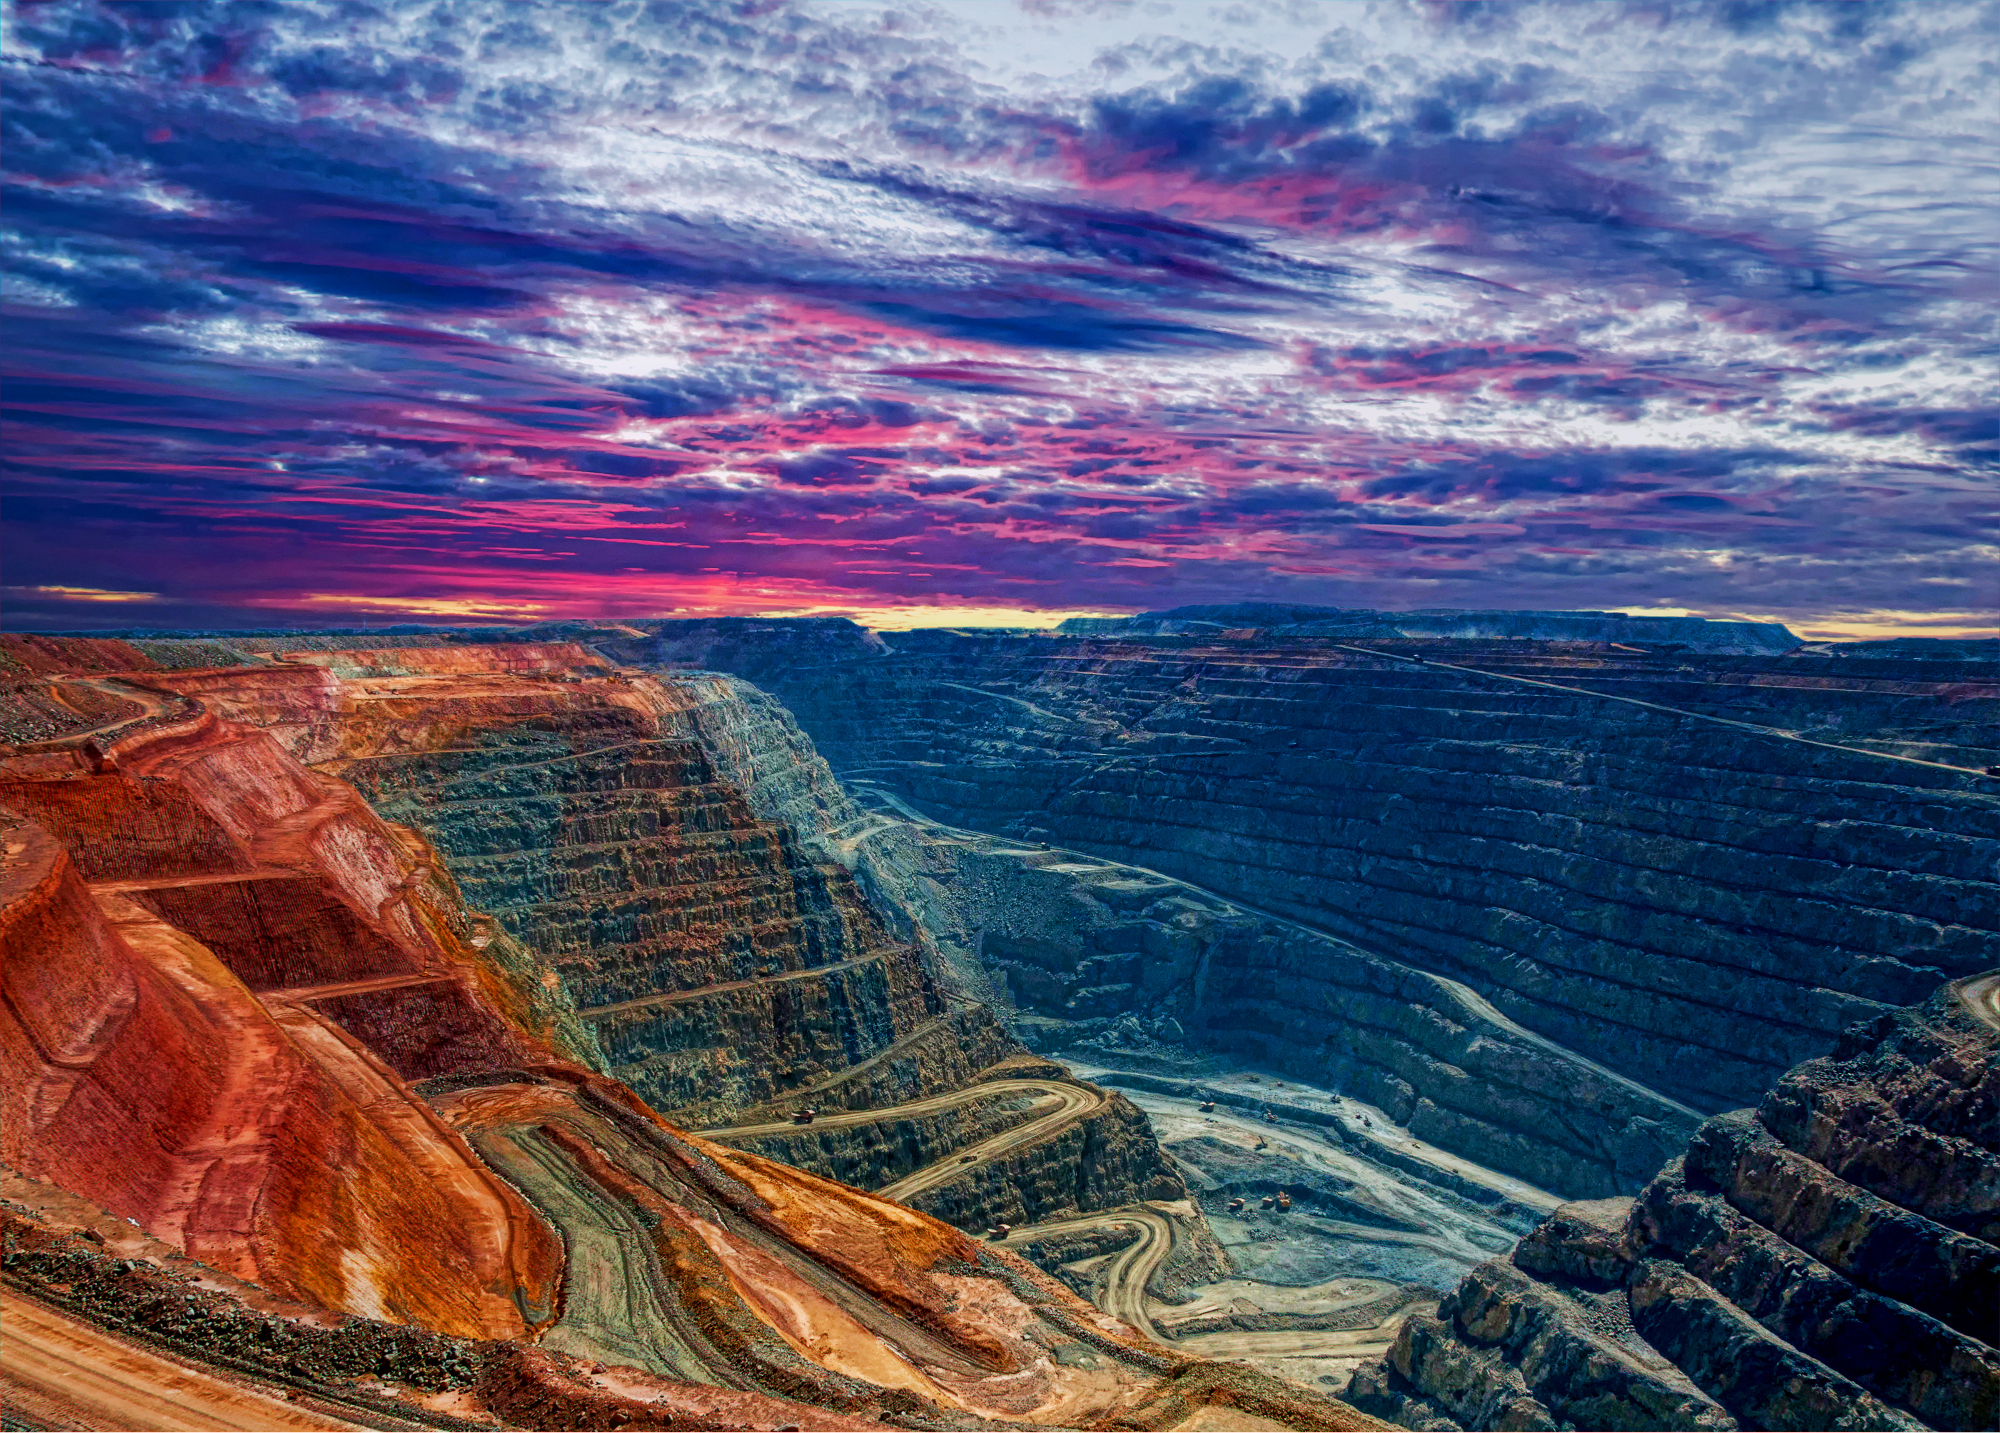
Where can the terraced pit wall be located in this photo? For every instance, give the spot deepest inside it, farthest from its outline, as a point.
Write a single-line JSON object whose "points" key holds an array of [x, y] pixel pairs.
{"points": [[660, 849], [222, 974], [1118, 964], [1696, 906], [714, 962]]}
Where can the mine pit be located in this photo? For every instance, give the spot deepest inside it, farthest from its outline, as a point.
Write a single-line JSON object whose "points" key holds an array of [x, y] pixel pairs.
{"points": [[670, 1069]]}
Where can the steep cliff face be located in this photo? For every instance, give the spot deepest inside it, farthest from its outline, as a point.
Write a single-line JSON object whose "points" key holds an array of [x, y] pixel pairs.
{"points": [[670, 852], [1694, 904], [178, 1027], [1825, 1261], [715, 962], [1114, 962], [224, 977]]}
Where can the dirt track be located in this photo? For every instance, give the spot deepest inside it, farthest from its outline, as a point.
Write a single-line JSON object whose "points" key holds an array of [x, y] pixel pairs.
{"points": [[1981, 995], [1062, 1102], [1121, 1290], [58, 1373]]}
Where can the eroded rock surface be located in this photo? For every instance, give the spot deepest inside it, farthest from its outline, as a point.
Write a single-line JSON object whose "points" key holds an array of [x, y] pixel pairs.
{"points": [[1788, 1272]]}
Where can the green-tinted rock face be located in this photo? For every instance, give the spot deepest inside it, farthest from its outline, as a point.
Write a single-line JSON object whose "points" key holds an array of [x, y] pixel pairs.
{"points": [[716, 963]]}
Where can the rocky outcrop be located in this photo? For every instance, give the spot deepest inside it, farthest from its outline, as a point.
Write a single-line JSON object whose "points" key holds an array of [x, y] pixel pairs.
{"points": [[1789, 1272], [1696, 905]]}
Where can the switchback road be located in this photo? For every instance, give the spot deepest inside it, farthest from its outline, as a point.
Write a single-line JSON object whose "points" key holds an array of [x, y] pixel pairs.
{"points": [[1121, 1290], [1059, 1102]]}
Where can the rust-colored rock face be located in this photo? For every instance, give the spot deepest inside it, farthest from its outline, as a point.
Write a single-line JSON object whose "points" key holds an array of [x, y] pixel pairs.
{"points": [[246, 1021], [715, 963], [166, 1050]]}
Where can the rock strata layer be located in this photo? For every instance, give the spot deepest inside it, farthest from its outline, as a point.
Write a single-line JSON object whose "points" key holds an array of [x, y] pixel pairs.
{"points": [[1791, 1271], [658, 849], [1696, 903]]}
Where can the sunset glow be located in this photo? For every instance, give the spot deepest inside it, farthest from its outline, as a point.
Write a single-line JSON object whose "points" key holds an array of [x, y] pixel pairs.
{"points": [[998, 313]]}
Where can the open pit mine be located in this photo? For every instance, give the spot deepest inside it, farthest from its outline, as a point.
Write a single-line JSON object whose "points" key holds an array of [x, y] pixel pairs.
{"points": [[1226, 1018]]}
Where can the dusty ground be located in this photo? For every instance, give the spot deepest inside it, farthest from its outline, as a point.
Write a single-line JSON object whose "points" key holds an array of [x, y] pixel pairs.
{"points": [[57, 1373]]}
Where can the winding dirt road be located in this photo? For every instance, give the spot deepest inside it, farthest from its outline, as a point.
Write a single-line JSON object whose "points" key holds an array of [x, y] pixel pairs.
{"points": [[1121, 1285], [1061, 1102], [1981, 995]]}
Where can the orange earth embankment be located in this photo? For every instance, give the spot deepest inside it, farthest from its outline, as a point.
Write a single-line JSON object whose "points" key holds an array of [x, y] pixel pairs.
{"points": [[240, 1010], [165, 895]]}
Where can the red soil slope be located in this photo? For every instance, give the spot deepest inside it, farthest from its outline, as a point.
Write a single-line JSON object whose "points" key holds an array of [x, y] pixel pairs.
{"points": [[153, 891]]}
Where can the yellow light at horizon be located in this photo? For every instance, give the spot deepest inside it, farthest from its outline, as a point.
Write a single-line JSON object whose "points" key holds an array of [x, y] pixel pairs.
{"points": [[1881, 625], [95, 594], [418, 606]]}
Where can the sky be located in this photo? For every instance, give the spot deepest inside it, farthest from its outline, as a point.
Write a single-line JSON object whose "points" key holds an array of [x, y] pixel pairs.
{"points": [[998, 311]]}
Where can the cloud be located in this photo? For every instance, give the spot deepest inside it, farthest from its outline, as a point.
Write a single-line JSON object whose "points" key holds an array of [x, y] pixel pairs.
{"points": [[872, 306], [90, 594]]}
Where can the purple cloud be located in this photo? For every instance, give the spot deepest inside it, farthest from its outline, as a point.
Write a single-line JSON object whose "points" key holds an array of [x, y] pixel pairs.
{"points": [[575, 309]]}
